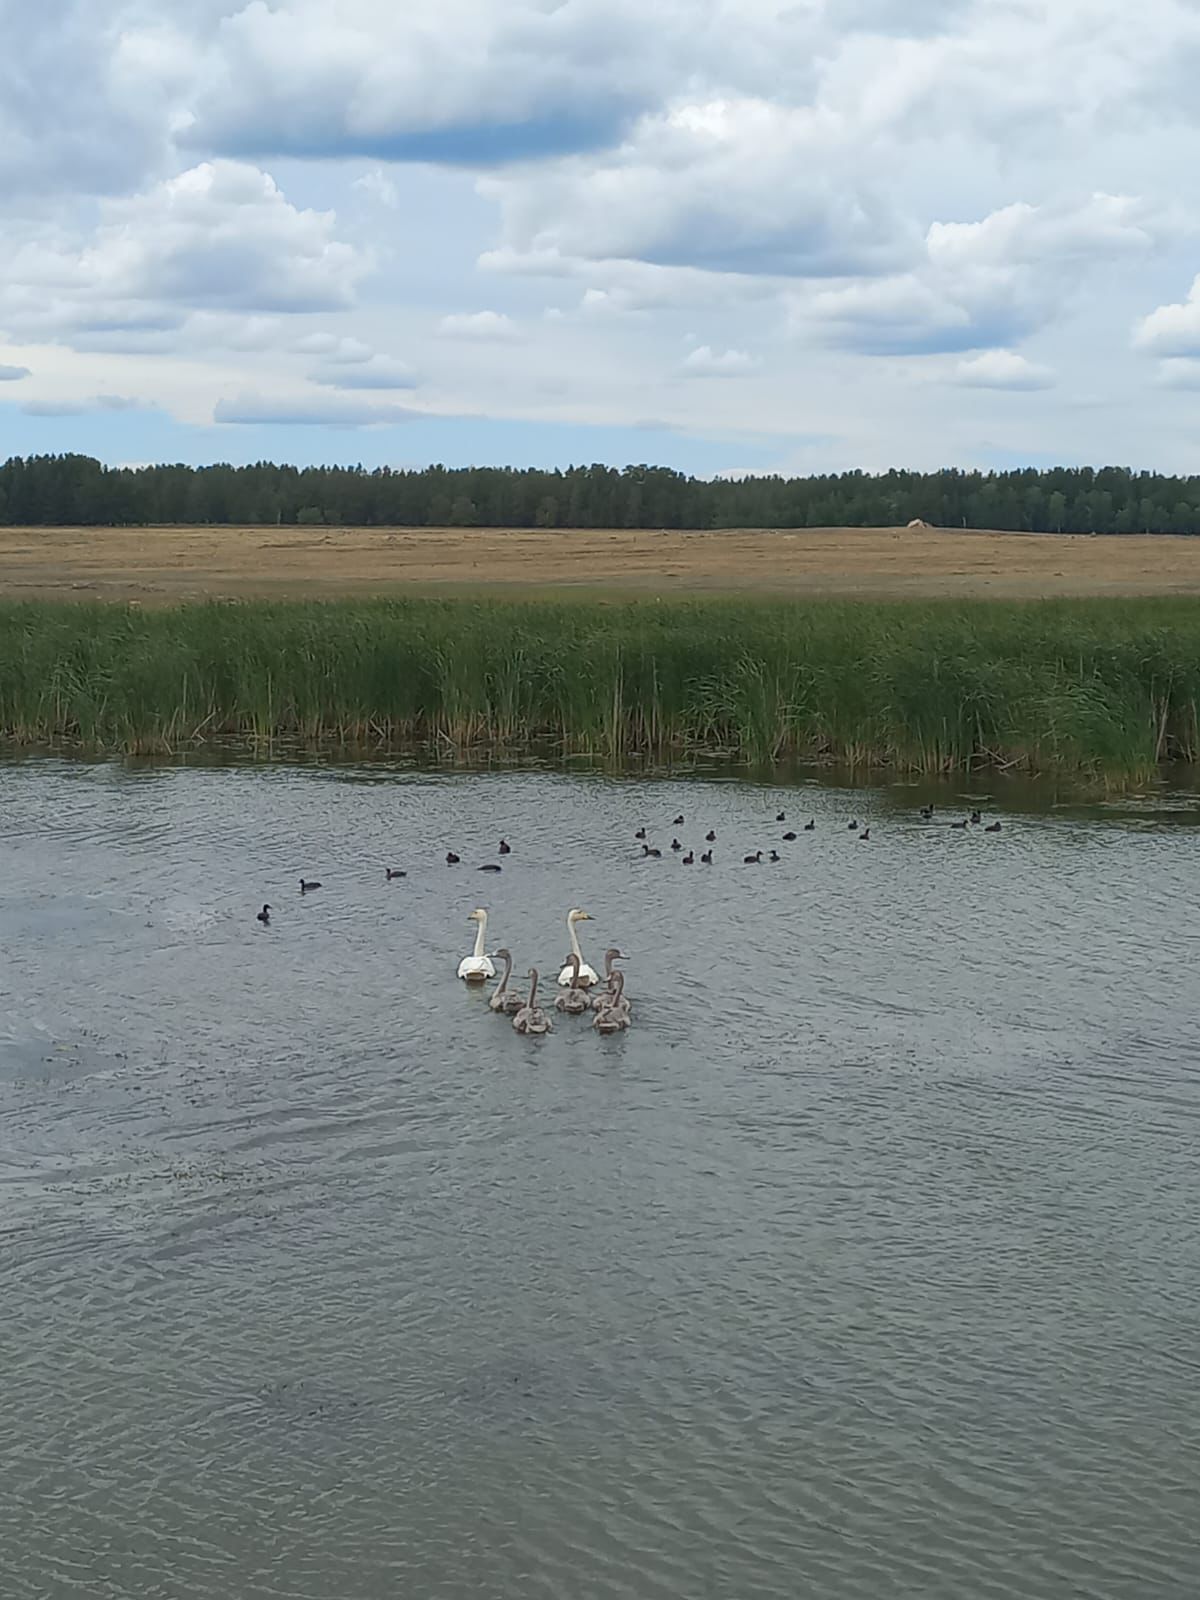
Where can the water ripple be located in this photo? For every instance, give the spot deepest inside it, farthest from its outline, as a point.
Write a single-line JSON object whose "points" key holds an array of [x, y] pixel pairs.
{"points": [[865, 1264]]}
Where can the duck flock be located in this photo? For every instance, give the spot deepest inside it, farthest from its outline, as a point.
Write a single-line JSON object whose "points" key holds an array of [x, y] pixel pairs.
{"points": [[583, 991]]}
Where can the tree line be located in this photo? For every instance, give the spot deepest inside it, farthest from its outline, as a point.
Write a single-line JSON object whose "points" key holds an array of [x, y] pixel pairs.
{"points": [[74, 489]]}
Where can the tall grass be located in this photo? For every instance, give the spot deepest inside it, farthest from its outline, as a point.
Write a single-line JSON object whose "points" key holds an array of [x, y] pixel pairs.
{"points": [[1109, 687]]}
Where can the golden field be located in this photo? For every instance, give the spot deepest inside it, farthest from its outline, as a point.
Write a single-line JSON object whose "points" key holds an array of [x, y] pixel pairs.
{"points": [[164, 565]]}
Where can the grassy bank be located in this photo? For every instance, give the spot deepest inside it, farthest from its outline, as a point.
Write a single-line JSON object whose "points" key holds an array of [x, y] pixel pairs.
{"points": [[1110, 687]]}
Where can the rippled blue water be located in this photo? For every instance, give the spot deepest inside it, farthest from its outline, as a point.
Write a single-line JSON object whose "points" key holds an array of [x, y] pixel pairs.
{"points": [[867, 1264]]}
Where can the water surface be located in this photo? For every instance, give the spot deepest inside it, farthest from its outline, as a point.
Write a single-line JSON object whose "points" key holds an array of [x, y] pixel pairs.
{"points": [[866, 1264]]}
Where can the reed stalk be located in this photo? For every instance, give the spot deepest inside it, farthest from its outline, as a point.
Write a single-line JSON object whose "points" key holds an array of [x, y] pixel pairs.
{"points": [[1107, 687]]}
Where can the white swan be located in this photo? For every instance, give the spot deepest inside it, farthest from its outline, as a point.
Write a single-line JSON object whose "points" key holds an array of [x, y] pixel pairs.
{"points": [[587, 977], [477, 968]]}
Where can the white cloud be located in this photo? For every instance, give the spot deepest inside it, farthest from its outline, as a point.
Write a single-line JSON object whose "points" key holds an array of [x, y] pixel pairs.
{"points": [[220, 237], [377, 186], [234, 331], [704, 362], [1001, 369], [726, 185], [890, 314], [627, 287], [316, 410], [334, 347], [981, 283], [1172, 330], [68, 122], [484, 326], [884, 178], [379, 372], [471, 81]]}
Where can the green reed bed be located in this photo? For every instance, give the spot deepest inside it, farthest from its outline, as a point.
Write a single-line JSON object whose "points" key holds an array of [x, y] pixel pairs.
{"points": [[1109, 687]]}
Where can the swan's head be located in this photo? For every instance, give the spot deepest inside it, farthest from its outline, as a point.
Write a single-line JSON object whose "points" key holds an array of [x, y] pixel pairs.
{"points": [[502, 954], [579, 916], [478, 915], [613, 954]]}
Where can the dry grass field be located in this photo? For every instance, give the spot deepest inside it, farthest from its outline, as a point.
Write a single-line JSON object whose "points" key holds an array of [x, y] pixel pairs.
{"points": [[164, 565]]}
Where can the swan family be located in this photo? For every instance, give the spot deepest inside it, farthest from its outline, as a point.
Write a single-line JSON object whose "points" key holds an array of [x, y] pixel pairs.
{"points": [[581, 990], [609, 1006]]}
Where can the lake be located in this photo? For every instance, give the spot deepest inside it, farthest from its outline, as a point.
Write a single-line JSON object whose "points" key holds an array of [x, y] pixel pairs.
{"points": [[866, 1264]]}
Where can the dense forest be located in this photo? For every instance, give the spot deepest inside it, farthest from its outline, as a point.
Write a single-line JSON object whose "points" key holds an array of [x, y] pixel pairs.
{"points": [[74, 489]]}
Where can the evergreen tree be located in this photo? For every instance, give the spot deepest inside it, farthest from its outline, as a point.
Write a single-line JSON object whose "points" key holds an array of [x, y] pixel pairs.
{"points": [[68, 489]]}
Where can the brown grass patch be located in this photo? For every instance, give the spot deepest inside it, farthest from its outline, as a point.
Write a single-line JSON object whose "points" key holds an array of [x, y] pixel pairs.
{"points": [[170, 564]]}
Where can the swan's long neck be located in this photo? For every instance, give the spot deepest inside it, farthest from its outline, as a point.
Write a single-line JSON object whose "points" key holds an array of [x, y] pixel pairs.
{"points": [[481, 935], [575, 950], [575, 964], [503, 989], [533, 983]]}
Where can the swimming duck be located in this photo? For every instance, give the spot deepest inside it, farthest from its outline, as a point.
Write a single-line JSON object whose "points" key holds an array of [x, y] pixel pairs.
{"points": [[774, 856], [649, 850], [961, 824], [640, 834], [505, 848], [864, 836], [782, 817], [306, 887], [451, 859], [752, 861], [976, 816], [853, 826], [675, 845], [788, 837], [706, 859], [688, 859], [264, 916], [678, 823], [992, 827], [395, 872], [927, 813], [710, 837], [490, 867], [810, 824]]}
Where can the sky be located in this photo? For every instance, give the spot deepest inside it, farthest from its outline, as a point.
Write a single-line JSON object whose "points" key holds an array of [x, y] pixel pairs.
{"points": [[717, 235]]}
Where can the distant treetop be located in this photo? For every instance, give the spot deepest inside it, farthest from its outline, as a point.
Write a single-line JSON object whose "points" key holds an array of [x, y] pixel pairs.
{"points": [[74, 489]]}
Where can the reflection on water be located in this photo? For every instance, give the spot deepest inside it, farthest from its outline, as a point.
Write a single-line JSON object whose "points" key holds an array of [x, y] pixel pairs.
{"points": [[865, 1264]]}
